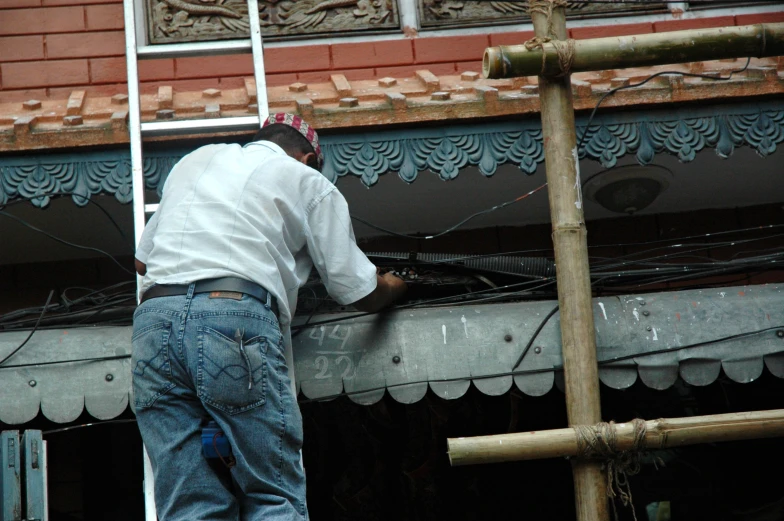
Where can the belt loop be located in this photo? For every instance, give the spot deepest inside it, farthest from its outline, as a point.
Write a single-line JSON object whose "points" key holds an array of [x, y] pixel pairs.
{"points": [[189, 298], [268, 304]]}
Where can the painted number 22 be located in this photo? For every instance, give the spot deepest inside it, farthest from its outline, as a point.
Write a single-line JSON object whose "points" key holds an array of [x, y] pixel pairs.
{"points": [[323, 363]]}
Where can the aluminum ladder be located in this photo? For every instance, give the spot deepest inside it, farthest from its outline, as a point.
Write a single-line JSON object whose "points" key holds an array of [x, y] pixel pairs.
{"points": [[137, 130]]}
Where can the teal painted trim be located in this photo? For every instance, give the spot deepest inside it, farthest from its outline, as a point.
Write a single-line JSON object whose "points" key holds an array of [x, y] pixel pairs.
{"points": [[442, 150]]}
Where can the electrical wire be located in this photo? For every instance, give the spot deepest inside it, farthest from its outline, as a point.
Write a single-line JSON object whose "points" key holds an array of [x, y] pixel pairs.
{"points": [[533, 337], [73, 312], [312, 313], [611, 245], [579, 146], [67, 243], [451, 299], [71, 361], [456, 226], [83, 425], [35, 328], [599, 276], [646, 80], [86, 198]]}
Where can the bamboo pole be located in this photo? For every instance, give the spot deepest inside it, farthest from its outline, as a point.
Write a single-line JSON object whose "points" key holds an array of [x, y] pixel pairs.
{"points": [[571, 258], [660, 434], [618, 52]]}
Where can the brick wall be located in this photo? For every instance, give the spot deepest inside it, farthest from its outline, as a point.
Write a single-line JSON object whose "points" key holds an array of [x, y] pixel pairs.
{"points": [[50, 47]]}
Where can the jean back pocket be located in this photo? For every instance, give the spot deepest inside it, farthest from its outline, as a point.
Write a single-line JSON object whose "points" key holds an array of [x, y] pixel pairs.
{"points": [[232, 373]]}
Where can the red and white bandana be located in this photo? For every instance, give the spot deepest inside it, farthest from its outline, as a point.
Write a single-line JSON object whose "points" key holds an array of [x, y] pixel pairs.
{"points": [[303, 128]]}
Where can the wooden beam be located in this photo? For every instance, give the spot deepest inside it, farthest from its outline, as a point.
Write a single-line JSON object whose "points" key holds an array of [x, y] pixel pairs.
{"points": [[570, 243], [642, 50], [660, 434]]}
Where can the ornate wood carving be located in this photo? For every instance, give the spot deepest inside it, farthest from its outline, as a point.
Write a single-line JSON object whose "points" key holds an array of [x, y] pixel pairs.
{"points": [[369, 156], [449, 13], [172, 21]]}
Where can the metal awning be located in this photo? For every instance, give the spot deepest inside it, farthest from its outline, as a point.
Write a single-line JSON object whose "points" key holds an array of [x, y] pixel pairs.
{"points": [[655, 337]]}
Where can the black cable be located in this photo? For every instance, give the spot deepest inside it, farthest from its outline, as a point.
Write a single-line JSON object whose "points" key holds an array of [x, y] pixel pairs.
{"points": [[533, 337], [93, 424], [614, 245], [579, 146], [646, 80], [456, 226], [701, 248], [86, 198], [72, 361], [602, 276], [312, 313], [43, 311], [118, 300], [63, 241], [416, 304]]}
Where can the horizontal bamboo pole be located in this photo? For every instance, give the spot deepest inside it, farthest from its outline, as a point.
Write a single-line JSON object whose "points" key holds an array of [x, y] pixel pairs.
{"points": [[662, 433], [618, 52]]}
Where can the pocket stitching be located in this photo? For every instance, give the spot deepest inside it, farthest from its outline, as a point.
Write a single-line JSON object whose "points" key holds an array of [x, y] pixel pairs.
{"points": [[205, 396], [166, 372]]}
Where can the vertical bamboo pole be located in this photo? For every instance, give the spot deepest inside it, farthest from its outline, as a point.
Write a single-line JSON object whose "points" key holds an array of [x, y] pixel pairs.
{"points": [[571, 257]]}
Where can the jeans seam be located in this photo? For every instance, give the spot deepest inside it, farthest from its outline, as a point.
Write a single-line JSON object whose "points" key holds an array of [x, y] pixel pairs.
{"points": [[283, 431], [166, 370]]}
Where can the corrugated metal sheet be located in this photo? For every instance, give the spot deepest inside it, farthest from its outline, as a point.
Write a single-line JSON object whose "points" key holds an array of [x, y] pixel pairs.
{"points": [[655, 337]]}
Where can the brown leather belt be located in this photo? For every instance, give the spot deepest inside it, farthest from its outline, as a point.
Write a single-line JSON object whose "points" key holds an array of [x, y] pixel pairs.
{"points": [[222, 284]]}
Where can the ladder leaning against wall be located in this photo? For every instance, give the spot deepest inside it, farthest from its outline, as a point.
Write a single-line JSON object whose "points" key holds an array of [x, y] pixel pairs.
{"points": [[134, 51]]}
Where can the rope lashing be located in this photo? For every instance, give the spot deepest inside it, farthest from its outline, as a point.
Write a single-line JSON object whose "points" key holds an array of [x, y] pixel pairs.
{"points": [[564, 49], [600, 441]]}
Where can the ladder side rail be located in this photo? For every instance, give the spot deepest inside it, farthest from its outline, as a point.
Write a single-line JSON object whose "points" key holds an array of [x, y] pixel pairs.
{"points": [[134, 120], [258, 60], [137, 183]]}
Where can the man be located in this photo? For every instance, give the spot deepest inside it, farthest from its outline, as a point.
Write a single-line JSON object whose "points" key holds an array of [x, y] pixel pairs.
{"points": [[236, 234]]}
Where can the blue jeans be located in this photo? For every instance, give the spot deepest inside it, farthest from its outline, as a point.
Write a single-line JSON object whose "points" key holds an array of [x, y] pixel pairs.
{"points": [[189, 367]]}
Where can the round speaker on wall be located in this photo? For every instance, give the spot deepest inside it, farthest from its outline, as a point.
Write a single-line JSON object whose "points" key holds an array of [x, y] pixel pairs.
{"points": [[627, 189]]}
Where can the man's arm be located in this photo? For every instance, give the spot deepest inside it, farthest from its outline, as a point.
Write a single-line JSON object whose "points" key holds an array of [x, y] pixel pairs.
{"points": [[350, 278], [145, 245], [389, 289]]}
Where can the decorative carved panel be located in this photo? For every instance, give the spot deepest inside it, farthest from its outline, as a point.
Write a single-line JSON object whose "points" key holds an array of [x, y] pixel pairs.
{"points": [[442, 150], [451, 13], [172, 21]]}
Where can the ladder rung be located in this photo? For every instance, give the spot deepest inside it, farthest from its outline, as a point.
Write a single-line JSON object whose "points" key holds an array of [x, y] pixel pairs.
{"points": [[150, 208], [197, 126], [186, 50]]}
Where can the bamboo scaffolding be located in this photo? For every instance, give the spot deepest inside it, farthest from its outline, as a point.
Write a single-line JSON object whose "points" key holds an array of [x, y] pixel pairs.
{"points": [[581, 373], [660, 434], [618, 52]]}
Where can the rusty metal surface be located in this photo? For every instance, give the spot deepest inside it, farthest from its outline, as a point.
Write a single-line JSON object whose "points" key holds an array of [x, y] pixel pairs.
{"points": [[658, 338]]}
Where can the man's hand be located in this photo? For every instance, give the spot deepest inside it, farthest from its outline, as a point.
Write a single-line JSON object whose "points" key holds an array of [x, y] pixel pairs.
{"points": [[141, 268], [389, 288]]}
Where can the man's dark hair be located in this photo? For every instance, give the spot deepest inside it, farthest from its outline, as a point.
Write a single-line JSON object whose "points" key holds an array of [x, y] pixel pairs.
{"points": [[289, 139]]}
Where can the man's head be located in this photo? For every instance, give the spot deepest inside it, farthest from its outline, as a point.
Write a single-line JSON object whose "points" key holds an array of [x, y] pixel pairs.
{"points": [[298, 139]]}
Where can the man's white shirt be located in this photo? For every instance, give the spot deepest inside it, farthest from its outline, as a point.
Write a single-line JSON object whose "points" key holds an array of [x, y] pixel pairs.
{"points": [[254, 212]]}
